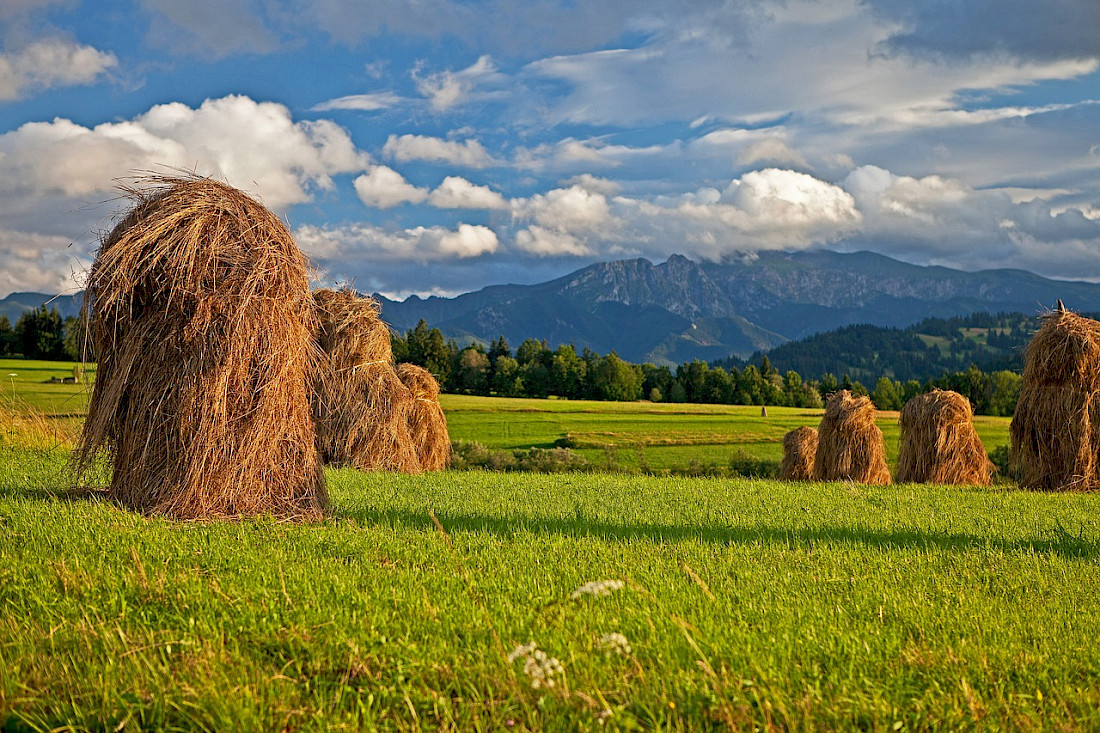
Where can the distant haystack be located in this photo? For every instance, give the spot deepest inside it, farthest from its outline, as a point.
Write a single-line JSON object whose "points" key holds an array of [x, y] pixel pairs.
{"points": [[201, 320], [799, 449], [1055, 431], [361, 408], [939, 444], [849, 444], [427, 424]]}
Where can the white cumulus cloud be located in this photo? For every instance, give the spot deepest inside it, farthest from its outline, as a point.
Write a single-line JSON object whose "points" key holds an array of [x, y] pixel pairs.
{"points": [[38, 263], [255, 146], [337, 244], [469, 153], [458, 193], [51, 62], [384, 188]]}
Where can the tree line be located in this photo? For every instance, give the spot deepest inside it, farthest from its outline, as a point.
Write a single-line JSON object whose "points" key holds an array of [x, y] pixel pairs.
{"points": [[536, 370], [42, 334]]}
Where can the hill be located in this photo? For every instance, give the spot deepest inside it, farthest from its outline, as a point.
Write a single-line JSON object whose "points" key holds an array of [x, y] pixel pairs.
{"points": [[923, 351], [13, 305], [681, 310]]}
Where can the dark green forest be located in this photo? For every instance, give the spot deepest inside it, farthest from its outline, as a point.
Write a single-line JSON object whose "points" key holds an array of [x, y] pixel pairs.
{"points": [[979, 357]]}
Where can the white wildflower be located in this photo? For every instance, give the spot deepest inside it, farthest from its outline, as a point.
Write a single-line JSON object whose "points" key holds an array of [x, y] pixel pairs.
{"points": [[522, 650], [603, 715], [597, 588], [540, 667], [615, 643]]}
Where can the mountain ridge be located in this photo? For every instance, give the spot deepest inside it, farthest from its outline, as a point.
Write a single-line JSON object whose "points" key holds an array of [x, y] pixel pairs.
{"points": [[680, 310]]}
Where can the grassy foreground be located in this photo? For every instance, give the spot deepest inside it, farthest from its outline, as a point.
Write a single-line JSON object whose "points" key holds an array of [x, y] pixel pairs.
{"points": [[743, 604]]}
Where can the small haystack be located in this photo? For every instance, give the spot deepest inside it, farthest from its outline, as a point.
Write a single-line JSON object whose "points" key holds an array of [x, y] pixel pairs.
{"points": [[361, 408], [799, 449], [201, 320], [427, 424], [939, 444], [849, 444], [1055, 431]]}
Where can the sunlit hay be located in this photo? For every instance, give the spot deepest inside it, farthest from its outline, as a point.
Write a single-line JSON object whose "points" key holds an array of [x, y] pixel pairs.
{"points": [[361, 408], [799, 449], [1055, 431], [939, 444], [849, 444], [427, 424], [202, 324]]}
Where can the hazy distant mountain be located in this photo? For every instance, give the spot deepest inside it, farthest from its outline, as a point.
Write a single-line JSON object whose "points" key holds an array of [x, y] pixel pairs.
{"points": [[14, 305], [681, 310]]}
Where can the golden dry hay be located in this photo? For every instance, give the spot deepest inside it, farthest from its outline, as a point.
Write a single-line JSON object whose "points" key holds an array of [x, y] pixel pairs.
{"points": [[202, 323], [1055, 431], [849, 444], [361, 408], [939, 444], [427, 423], [799, 449]]}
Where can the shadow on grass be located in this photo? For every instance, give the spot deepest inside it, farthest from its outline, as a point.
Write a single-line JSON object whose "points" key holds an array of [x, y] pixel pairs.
{"points": [[1056, 541]]}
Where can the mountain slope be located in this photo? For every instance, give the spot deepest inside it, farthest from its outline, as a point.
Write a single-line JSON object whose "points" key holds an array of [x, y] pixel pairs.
{"points": [[681, 310], [13, 305]]}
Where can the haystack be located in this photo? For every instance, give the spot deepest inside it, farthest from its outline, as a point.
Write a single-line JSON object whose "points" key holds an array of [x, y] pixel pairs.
{"points": [[201, 320], [849, 444], [939, 444], [427, 424], [1055, 432], [361, 408], [799, 449]]}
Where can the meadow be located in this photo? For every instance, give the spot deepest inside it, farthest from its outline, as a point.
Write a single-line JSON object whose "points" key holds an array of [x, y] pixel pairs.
{"points": [[670, 603]]}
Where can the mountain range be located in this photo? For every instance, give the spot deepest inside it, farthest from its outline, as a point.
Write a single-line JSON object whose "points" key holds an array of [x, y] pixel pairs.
{"points": [[680, 310]]}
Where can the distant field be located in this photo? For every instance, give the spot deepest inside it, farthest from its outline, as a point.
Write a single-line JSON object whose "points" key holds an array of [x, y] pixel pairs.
{"points": [[666, 434], [663, 434]]}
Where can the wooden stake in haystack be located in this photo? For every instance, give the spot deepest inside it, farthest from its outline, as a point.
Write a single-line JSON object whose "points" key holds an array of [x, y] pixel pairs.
{"points": [[427, 424], [799, 449], [201, 321], [361, 407], [939, 444], [1055, 431], [849, 444]]}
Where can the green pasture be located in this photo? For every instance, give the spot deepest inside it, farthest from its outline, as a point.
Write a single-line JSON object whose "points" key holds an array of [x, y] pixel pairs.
{"points": [[755, 605], [663, 435], [729, 603]]}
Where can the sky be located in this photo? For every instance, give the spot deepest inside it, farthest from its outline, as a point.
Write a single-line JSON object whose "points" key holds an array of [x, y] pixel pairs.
{"points": [[439, 146]]}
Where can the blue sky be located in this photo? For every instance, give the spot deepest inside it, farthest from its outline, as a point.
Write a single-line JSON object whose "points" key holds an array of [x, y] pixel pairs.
{"points": [[438, 146]]}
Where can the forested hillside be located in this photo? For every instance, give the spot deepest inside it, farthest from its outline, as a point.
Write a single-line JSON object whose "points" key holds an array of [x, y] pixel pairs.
{"points": [[927, 350]]}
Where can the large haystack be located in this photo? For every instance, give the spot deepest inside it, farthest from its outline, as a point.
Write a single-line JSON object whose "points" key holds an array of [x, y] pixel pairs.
{"points": [[201, 320], [849, 444], [1055, 431], [361, 408], [427, 424], [939, 444], [799, 449]]}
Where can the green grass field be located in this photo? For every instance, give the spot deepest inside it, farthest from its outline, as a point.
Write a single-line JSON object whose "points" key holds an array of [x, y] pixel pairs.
{"points": [[743, 604], [664, 435]]}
